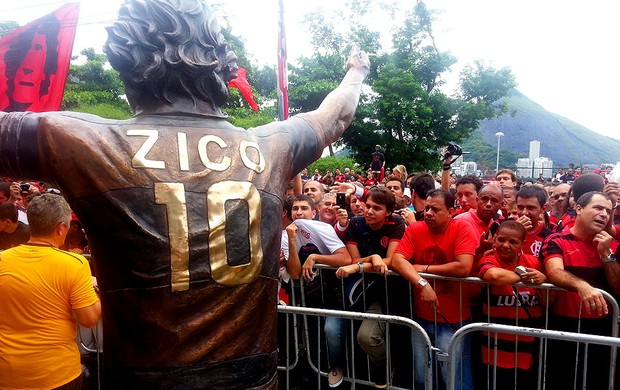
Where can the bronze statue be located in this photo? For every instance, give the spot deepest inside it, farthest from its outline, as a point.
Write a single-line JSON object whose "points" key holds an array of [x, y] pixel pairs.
{"points": [[181, 208]]}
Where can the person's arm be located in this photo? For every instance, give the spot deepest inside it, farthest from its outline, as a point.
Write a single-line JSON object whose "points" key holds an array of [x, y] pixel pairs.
{"points": [[591, 297], [459, 268], [337, 259], [367, 266], [342, 218], [408, 215], [336, 112], [88, 316], [407, 270], [611, 268], [445, 170], [293, 264], [613, 190], [499, 277], [15, 191], [373, 263]]}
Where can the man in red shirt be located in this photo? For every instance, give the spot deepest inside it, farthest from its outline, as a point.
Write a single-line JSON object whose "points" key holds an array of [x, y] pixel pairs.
{"points": [[467, 188], [530, 206], [580, 260], [443, 246], [489, 201]]}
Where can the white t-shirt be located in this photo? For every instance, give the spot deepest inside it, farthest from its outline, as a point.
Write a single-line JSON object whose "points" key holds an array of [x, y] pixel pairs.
{"points": [[309, 231]]}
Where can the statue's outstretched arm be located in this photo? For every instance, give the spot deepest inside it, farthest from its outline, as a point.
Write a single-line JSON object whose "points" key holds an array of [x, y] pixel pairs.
{"points": [[336, 112]]}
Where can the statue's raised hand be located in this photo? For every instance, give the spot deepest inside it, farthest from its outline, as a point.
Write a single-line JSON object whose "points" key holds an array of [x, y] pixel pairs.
{"points": [[358, 58]]}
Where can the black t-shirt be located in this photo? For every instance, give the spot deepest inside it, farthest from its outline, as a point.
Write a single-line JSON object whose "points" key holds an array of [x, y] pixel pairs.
{"points": [[377, 159]]}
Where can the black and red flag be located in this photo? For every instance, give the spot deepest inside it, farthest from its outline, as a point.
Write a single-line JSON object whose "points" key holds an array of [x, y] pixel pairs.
{"points": [[34, 61]]}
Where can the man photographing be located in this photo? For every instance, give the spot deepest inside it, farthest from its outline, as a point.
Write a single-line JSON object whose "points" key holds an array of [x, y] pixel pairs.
{"points": [[45, 293]]}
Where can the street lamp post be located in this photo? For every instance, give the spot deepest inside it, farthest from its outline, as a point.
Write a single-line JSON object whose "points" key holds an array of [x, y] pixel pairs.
{"points": [[499, 136]]}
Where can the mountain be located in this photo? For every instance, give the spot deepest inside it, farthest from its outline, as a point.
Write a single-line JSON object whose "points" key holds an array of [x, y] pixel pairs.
{"points": [[561, 139]]}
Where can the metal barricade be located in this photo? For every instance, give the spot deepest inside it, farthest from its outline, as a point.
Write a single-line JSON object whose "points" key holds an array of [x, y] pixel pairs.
{"points": [[290, 358], [439, 355], [587, 339], [357, 316], [614, 313], [89, 343]]}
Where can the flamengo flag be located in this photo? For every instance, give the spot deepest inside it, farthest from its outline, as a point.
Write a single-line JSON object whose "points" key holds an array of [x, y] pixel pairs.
{"points": [[34, 61], [241, 83], [282, 69]]}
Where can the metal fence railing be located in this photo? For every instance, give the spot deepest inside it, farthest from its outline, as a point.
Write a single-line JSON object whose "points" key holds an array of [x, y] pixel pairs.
{"points": [[303, 354]]}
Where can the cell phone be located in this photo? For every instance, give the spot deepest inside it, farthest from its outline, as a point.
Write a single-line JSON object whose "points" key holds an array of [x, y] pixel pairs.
{"points": [[341, 200], [492, 229], [24, 187]]}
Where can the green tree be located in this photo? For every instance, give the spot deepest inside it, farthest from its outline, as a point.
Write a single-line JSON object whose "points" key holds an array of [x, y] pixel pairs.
{"points": [[407, 112], [94, 89], [331, 163], [317, 75], [263, 83], [7, 26]]}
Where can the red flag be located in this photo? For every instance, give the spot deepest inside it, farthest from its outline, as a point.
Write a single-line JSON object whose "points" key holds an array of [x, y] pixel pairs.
{"points": [[34, 61], [241, 83], [282, 68]]}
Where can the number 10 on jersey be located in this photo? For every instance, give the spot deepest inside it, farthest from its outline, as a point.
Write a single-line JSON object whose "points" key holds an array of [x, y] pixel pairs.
{"points": [[172, 195]]}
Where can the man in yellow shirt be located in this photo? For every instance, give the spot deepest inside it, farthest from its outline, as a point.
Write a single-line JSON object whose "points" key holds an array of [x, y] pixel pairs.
{"points": [[45, 294]]}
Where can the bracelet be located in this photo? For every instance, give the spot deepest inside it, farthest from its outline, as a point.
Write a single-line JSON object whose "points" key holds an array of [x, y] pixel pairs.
{"points": [[361, 265], [428, 265], [446, 167]]}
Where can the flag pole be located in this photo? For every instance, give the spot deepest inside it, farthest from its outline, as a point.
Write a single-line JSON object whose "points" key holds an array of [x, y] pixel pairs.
{"points": [[282, 68]]}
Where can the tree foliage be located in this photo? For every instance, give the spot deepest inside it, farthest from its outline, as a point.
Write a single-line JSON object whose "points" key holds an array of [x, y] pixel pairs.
{"points": [[407, 112], [331, 163], [7, 26], [94, 88], [404, 107]]}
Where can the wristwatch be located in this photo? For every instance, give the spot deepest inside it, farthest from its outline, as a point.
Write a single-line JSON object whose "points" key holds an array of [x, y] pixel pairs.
{"points": [[610, 258], [422, 283], [361, 265]]}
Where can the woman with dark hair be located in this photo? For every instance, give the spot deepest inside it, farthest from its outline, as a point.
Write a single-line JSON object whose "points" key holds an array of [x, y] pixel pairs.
{"points": [[514, 305]]}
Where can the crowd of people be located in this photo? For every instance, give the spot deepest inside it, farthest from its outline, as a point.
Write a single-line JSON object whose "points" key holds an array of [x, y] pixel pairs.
{"points": [[561, 232], [514, 236]]}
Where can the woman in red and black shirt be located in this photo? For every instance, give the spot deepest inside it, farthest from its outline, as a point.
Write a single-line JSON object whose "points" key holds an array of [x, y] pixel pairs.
{"points": [[511, 305]]}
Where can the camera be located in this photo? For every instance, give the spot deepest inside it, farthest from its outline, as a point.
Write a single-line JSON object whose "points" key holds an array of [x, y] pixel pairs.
{"points": [[520, 270], [453, 149], [24, 187]]}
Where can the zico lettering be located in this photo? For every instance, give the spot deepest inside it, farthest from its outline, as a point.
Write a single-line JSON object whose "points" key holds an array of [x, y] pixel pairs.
{"points": [[140, 159]]}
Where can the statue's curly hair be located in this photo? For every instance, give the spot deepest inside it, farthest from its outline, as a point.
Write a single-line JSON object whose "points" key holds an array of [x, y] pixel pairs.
{"points": [[166, 49]]}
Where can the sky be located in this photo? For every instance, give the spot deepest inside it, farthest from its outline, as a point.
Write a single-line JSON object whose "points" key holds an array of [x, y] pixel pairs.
{"points": [[562, 52]]}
